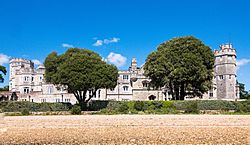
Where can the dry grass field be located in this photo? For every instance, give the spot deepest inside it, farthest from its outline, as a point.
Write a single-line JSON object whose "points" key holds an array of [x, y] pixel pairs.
{"points": [[126, 129]]}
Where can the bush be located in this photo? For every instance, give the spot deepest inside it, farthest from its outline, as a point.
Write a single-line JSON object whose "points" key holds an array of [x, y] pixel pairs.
{"points": [[18, 106], [25, 111], [192, 107], [75, 110], [97, 105], [139, 106], [123, 108], [216, 105]]}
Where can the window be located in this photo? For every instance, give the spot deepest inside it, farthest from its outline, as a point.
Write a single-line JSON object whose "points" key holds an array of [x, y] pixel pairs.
{"points": [[32, 79], [41, 78], [230, 76], [26, 90], [221, 77], [50, 90], [67, 100], [145, 84], [112, 89], [57, 100], [211, 94], [125, 77], [26, 78], [125, 88], [43, 100], [99, 93]]}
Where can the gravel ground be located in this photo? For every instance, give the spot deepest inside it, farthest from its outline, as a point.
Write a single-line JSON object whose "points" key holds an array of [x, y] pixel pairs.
{"points": [[126, 129]]}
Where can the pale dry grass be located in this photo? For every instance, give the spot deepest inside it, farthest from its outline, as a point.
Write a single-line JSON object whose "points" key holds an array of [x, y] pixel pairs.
{"points": [[126, 129]]}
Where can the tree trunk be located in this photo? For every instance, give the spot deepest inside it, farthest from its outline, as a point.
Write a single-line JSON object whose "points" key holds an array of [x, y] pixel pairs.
{"points": [[171, 91], [83, 105], [177, 92], [182, 92]]}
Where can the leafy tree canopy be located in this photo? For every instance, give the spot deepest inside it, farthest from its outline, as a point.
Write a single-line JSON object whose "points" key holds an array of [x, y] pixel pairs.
{"points": [[80, 71], [184, 65], [2, 71], [243, 93]]}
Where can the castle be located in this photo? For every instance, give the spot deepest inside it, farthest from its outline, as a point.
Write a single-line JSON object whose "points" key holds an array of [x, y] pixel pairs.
{"points": [[29, 83]]}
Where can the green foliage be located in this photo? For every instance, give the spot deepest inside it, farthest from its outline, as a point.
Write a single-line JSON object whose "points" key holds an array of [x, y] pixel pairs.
{"points": [[216, 105], [96, 105], [243, 93], [75, 110], [3, 71], [192, 107], [18, 106], [80, 71], [242, 106], [139, 106], [182, 64], [4, 89], [25, 111], [123, 108]]}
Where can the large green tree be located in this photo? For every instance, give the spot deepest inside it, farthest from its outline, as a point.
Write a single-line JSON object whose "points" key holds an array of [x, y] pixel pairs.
{"points": [[2, 71], [80, 71], [184, 65], [243, 93]]}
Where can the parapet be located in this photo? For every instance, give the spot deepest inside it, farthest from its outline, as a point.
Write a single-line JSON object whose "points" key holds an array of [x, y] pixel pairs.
{"points": [[225, 49]]}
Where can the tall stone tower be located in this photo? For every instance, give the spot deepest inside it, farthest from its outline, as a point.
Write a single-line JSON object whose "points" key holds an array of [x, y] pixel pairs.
{"points": [[225, 73], [16, 64]]}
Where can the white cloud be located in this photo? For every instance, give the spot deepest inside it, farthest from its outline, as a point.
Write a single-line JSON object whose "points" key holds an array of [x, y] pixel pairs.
{"points": [[36, 62], [112, 40], [98, 43], [106, 41], [116, 59], [243, 62], [4, 59], [65, 45]]}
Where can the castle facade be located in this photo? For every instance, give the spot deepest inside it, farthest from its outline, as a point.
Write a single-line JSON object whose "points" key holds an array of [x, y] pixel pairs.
{"points": [[29, 83]]}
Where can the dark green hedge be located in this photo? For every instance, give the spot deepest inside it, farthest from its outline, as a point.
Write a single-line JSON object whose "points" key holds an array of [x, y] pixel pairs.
{"points": [[18, 106], [188, 106], [133, 107]]}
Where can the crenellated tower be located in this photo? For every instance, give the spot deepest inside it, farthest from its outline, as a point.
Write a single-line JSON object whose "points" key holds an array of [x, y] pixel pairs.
{"points": [[225, 73]]}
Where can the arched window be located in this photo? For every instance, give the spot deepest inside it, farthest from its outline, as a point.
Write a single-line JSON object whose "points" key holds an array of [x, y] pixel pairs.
{"points": [[152, 97]]}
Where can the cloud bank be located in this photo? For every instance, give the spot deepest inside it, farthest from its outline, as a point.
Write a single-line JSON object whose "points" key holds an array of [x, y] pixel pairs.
{"points": [[243, 62], [4, 59], [116, 59], [36, 62], [65, 45]]}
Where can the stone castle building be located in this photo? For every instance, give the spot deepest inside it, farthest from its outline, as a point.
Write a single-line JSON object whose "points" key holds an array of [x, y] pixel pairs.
{"points": [[29, 83]]}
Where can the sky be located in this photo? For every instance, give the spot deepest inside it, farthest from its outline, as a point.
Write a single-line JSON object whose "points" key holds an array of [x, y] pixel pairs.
{"points": [[121, 29]]}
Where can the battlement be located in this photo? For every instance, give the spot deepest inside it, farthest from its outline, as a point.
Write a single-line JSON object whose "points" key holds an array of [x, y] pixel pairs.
{"points": [[19, 60], [225, 49]]}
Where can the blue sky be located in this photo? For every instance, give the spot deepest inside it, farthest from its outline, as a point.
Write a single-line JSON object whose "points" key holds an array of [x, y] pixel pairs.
{"points": [[121, 29]]}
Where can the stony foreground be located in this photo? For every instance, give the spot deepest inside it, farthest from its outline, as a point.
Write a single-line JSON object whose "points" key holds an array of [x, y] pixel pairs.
{"points": [[126, 129]]}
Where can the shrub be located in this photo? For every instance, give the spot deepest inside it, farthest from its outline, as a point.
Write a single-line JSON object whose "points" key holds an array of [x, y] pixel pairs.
{"points": [[192, 107], [25, 111], [97, 105], [18, 106], [123, 108], [157, 104], [139, 106], [75, 110], [216, 105]]}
